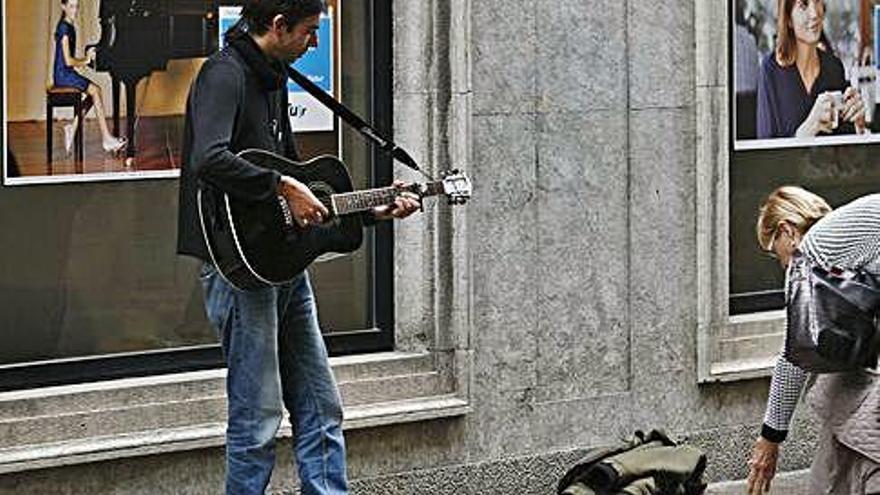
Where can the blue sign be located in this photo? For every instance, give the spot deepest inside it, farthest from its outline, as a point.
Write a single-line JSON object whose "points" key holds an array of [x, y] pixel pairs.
{"points": [[306, 113], [317, 63], [228, 17]]}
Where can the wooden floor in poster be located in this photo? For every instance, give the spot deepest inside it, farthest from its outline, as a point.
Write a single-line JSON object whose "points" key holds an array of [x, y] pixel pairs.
{"points": [[158, 142]]}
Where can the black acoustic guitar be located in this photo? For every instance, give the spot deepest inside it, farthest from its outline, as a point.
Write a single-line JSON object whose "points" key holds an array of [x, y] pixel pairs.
{"points": [[259, 244]]}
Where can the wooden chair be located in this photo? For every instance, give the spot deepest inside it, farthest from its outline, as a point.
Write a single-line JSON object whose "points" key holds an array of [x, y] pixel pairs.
{"points": [[65, 97]]}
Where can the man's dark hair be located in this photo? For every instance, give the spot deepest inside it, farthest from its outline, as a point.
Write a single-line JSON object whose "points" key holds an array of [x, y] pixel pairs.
{"points": [[258, 14]]}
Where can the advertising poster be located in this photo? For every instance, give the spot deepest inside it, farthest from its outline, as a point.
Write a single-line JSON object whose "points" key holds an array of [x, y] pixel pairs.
{"points": [[97, 91], [804, 76]]}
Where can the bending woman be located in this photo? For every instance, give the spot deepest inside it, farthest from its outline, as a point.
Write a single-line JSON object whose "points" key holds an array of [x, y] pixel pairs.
{"points": [[848, 404], [65, 75]]}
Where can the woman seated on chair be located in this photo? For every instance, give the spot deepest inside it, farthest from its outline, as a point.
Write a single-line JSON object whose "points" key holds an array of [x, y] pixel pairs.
{"points": [[66, 76]]}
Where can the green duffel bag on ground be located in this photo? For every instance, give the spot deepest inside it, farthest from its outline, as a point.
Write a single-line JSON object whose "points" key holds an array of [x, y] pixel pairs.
{"points": [[651, 464]]}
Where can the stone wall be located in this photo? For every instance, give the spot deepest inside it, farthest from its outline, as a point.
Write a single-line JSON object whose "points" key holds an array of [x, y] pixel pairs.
{"points": [[566, 290]]}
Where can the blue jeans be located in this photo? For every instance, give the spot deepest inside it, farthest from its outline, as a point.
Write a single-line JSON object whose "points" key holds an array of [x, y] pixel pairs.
{"points": [[276, 358]]}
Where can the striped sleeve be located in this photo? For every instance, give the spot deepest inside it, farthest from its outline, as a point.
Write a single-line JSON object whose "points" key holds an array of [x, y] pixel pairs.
{"points": [[785, 390]]}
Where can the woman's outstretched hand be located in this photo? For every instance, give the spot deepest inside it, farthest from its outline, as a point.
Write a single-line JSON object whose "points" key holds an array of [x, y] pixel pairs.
{"points": [[762, 466]]}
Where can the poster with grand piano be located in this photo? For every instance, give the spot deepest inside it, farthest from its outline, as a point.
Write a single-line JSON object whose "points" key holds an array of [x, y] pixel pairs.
{"points": [[96, 89], [804, 73]]}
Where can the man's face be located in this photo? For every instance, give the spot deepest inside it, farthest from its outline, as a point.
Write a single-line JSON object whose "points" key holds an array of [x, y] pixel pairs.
{"points": [[293, 44]]}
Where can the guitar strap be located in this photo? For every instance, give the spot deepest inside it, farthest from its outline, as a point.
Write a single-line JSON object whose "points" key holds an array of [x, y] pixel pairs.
{"points": [[353, 120]]}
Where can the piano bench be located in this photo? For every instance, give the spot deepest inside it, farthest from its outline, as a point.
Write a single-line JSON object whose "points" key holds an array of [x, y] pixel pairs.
{"points": [[57, 96]]}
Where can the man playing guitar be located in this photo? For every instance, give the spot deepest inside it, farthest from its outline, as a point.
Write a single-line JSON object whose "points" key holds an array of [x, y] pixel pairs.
{"points": [[270, 336]]}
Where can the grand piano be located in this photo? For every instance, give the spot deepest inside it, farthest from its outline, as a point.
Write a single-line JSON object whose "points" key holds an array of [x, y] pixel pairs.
{"points": [[141, 36]]}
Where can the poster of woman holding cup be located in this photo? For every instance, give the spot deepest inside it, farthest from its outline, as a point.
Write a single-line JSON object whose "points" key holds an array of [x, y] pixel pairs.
{"points": [[812, 88]]}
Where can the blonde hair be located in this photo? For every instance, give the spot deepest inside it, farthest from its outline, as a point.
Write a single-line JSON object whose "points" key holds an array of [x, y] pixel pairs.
{"points": [[791, 204]]}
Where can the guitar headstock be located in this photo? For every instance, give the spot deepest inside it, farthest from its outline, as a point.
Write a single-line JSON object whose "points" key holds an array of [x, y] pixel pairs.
{"points": [[456, 187]]}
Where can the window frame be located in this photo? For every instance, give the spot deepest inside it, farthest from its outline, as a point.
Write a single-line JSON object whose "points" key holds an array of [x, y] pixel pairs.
{"points": [[379, 338], [731, 345], [428, 375]]}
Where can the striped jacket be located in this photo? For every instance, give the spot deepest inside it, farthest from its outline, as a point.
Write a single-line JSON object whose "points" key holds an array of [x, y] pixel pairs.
{"points": [[848, 238]]}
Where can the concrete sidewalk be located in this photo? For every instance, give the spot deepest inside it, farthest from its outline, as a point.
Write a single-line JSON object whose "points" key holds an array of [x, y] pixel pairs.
{"points": [[790, 483]]}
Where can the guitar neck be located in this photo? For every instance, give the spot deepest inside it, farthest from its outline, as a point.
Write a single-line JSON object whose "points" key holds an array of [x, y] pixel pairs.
{"points": [[368, 199]]}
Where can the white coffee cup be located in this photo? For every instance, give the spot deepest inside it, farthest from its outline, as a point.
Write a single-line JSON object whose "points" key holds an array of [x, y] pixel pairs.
{"points": [[836, 106]]}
